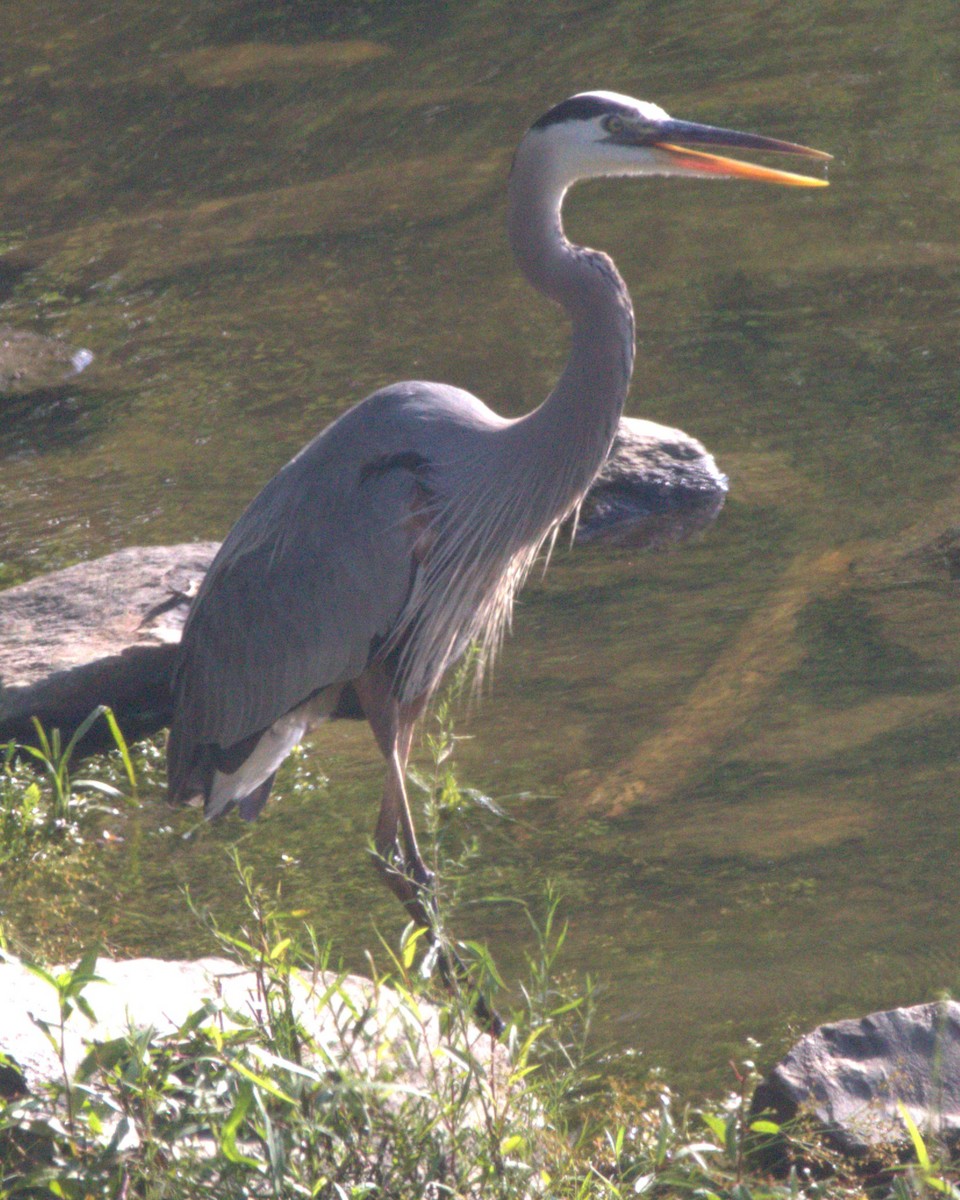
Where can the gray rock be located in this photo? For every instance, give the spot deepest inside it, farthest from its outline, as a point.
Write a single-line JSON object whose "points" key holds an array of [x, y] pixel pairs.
{"points": [[853, 1075], [100, 632], [658, 486], [354, 1025]]}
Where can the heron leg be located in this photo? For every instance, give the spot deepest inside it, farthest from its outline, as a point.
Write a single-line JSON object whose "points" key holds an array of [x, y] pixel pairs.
{"points": [[410, 881], [393, 724], [414, 885]]}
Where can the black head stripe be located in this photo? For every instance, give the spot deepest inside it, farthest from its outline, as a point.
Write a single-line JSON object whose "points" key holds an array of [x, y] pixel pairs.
{"points": [[582, 108]]}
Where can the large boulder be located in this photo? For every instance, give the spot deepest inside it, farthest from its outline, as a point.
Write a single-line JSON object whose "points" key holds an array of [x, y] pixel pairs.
{"points": [[100, 632], [658, 486], [370, 1030], [853, 1077]]}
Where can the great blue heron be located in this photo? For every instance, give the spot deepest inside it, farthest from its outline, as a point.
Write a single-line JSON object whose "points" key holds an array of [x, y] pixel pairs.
{"points": [[400, 535]]}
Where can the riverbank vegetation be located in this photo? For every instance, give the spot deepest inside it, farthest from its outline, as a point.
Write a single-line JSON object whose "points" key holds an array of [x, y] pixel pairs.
{"points": [[235, 1105]]}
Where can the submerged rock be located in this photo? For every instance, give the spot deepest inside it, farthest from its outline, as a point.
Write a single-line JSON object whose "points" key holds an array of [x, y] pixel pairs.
{"points": [[262, 62], [415, 192], [853, 1076], [34, 362]]}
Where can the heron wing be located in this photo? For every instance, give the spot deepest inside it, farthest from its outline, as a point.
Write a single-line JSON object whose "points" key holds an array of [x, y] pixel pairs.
{"points": [[307, 585]]}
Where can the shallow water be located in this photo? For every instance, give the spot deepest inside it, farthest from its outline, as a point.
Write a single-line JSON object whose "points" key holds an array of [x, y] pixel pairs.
{"points": [[253, 214]]}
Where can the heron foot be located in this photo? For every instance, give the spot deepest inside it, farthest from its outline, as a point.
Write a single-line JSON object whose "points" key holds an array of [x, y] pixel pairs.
{"points": [[454, 975], [413, 884], [417, 870]]}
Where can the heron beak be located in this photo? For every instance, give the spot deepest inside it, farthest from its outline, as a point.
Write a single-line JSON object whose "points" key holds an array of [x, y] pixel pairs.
{"points": [[677, 136]]}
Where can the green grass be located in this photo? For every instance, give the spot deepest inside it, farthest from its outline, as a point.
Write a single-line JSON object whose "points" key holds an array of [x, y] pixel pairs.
{"points": [[42, 805], [236, 1105], [232, 1105]]}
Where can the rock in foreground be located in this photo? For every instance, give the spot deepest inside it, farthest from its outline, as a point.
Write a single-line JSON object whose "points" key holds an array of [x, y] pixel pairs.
{"points": [[852, 1076], [351, 1024]]}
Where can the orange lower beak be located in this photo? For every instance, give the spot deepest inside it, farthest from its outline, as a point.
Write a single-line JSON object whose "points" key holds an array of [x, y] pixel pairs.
{"points": [[732, 168]]}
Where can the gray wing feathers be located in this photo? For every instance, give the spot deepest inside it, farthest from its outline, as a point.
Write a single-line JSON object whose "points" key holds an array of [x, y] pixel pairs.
{"points": [[309, 580], [317, 572]]}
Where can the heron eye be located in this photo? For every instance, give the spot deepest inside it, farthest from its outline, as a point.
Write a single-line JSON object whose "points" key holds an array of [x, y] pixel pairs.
{"points": [[613, 124]]}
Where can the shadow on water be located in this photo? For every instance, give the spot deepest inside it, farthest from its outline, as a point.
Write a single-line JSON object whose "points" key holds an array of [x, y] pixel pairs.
{"points": [[737, 758]]}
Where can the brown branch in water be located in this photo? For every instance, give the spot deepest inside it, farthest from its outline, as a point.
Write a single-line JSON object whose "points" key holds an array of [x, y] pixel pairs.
{"points": [[740, 680]]}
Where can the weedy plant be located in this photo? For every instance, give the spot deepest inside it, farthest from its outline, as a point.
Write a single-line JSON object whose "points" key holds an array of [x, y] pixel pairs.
{"points": [[388, 1096], [391, 1091], [930, 1173], [42, 805]]}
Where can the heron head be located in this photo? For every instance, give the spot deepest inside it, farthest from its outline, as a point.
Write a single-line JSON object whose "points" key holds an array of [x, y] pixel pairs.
{"points": [[605, 133]]}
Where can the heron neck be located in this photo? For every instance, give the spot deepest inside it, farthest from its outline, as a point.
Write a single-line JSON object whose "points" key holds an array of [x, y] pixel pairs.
{"points": [[570, 433]]}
